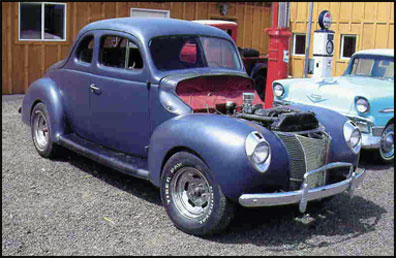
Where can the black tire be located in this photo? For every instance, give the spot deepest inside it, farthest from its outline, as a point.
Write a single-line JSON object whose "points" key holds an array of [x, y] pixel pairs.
{"points": [[43, 141], [382, 155], [260, 81], [219, 210], [250, 52]]}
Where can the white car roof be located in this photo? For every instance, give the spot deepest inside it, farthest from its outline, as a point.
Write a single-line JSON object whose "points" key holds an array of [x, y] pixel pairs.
{"points": [[215, 22], [381, 52]]}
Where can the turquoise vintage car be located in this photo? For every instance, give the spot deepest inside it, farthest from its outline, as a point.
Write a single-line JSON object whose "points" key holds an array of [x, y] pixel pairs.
{"points": [[364, 93]]}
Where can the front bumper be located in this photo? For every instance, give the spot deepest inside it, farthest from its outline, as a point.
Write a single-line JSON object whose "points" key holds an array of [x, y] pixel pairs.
{"points": [[306, 194], [370, 142]]}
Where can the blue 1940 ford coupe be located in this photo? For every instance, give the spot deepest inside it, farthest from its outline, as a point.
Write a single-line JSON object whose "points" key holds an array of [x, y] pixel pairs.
{"points": [[169, 101]]}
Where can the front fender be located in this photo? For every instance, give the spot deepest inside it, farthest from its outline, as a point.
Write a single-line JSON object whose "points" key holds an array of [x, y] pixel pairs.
{"points": [[46, 91], [257, 68], [220, 142], [334, 124]]}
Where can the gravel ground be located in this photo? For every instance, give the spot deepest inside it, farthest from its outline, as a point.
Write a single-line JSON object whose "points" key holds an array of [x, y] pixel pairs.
{"points": [[74, 206]]}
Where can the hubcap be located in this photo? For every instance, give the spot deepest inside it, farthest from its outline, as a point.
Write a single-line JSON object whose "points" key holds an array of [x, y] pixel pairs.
{"points": [[190, 192], [388, 144], [40, 129]]}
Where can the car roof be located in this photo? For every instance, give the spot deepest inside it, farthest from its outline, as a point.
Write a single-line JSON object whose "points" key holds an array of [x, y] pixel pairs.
{"points": [[146, 28], [381, 52]]}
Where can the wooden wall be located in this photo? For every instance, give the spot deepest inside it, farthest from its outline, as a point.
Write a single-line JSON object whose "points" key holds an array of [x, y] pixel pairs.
{"points": [[25, 61], [372, 22]]}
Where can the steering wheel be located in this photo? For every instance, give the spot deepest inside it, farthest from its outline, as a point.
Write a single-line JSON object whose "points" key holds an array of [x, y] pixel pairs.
{"points": [[133, 65]]}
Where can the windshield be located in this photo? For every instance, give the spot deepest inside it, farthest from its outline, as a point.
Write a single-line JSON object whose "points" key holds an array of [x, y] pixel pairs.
{"points": [[381, 67], [183, 52]]}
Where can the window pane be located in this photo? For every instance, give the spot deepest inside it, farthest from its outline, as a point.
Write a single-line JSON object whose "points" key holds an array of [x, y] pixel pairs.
{"points": [[135, 60], [188, 53], [299, 44], [85, 49], [54, 21], [112, 51], [362, 66], [169, 53], [349, 46], [30, 21], [220, 53]]}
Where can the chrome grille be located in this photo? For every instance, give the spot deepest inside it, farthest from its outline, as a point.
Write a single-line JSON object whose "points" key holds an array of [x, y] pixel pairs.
{"points": [[306, 153]]}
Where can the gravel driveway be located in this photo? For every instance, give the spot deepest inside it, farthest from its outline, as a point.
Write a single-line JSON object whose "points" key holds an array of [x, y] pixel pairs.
{"points": [[74, 206]]}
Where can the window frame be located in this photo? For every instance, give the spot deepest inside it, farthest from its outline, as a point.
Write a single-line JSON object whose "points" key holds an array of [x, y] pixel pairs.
{"points": [[125, 68], [342, 45], [294, 44], [167, 12], [43, 21]]}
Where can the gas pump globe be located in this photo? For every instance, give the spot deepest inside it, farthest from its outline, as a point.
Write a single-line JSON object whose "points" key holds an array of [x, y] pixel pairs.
{"points": [[323, 48]]}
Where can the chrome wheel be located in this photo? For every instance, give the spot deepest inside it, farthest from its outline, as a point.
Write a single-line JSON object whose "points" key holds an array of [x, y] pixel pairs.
{"points": [[387, 148], [191, 193], [40, 130]]}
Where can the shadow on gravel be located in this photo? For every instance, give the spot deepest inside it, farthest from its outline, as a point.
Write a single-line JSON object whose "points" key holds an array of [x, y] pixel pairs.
{"points": [[276, 228], [368, 161], [284, 228], [135, 186]]}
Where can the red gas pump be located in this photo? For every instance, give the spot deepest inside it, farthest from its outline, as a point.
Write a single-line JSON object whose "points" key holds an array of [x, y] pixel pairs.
{"points": [[278, 55]]}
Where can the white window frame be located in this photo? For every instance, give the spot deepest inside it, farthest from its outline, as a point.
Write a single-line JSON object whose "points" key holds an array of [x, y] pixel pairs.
{"points": [[294, 43], [42, 21], [342, 45], [167, 12]]}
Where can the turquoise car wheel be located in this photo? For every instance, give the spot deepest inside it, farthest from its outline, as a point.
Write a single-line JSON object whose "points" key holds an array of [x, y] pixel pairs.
{"points": [[387, 147]]}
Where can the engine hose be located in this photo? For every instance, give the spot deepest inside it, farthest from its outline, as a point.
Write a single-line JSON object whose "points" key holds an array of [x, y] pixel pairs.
{"points": [[256, 117]]}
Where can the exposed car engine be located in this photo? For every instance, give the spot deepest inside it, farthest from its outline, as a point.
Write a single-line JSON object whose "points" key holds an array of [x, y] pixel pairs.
{"points": [[278, 119]]}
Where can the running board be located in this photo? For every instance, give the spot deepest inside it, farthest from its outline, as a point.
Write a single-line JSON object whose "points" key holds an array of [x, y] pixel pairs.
{"points": [[128, 164]]}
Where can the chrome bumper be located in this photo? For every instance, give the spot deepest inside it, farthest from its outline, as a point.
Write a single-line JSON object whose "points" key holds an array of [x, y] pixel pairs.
{"points": [[306, 194], [370, 142]]}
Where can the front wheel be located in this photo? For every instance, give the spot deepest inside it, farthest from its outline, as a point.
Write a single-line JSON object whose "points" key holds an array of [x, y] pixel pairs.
{"points": [[192, 200], [386, 150]]}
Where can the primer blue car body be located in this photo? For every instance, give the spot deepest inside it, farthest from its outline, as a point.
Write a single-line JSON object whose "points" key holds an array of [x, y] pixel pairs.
{"points": [[169, 101]]}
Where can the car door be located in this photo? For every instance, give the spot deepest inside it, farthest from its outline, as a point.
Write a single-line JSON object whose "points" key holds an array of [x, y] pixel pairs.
{"points": [[75, 80], [119, 94]]}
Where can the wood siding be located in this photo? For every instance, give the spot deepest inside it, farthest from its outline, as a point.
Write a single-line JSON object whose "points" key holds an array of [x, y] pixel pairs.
{"points": [[372, 22], [25, 61]]}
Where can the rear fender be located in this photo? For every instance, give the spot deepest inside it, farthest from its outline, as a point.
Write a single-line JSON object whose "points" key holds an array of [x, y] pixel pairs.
{"points": [[46, 91]]}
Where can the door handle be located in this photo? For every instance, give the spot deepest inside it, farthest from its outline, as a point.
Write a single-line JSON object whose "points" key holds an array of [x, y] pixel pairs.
{"points": [[94, 89]]}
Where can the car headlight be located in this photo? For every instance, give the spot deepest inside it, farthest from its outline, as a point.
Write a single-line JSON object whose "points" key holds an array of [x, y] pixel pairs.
{"points": [[278, 90], [353, 136], [258, 151], [362, 105]]}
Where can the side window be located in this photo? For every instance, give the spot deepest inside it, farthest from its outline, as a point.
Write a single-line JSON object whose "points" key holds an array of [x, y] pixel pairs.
{"points": [[85, 49], [119, 52]]}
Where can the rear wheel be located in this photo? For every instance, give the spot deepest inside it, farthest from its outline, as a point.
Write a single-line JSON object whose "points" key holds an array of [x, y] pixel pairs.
{"points": [[41, 131], [192, 200]]}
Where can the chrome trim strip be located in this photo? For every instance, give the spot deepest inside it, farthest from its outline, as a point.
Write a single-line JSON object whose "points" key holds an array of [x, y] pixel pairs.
{"points": [[305, 194], [387, 110]]}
